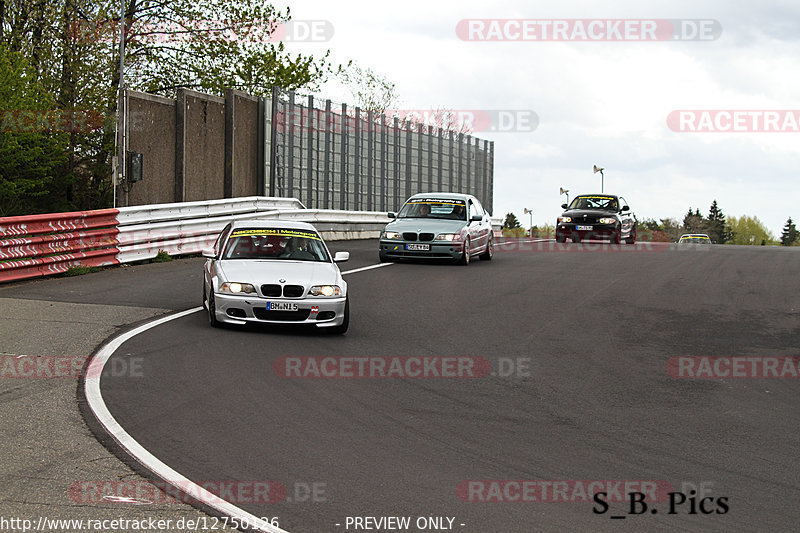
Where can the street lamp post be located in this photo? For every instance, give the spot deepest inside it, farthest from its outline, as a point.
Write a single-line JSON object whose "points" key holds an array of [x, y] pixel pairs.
{"points": [[602, 178], [529, 212]]}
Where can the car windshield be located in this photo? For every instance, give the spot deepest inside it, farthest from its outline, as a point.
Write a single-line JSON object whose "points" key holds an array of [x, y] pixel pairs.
{"points": [[434, 208], [696, 240], [275, 244], [608, 203]]}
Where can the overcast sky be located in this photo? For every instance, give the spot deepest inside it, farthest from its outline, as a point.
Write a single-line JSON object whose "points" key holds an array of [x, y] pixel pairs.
{"points": [[598, 101]]}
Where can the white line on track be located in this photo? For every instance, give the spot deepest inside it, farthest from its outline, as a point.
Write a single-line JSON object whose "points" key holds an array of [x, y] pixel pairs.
{"points": [[98, 406], [362, 269]]}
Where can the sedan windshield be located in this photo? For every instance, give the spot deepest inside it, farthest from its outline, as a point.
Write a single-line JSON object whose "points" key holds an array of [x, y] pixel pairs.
{"points": [[275, 244], [608, 203], [434, 208]]}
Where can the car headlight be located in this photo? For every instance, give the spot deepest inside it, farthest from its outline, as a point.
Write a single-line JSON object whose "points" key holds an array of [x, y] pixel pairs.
{"points": [[448, 237], [608, 220], [237, 288], [565, 219], [392, 235], [325, 290]]}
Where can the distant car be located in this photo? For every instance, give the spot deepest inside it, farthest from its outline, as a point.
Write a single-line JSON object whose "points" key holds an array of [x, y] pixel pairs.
{"points": [[694, 238], [597, 216], [274, 272], [438, 226]]}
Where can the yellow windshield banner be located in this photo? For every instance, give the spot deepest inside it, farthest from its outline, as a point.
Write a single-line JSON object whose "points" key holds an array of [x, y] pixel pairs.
{"points": [[596, 197], [437, 201], [281, 232]]}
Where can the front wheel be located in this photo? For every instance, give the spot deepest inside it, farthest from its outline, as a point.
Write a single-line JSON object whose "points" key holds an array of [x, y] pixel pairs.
{"points": [[489, 252], [615, 238], [631, 238], [212, 311], [342, 328], [465, 256], [561, 238]]}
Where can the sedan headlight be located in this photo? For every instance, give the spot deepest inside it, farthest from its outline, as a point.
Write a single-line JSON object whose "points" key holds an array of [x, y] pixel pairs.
{"points": [[448, 237], [608, 220], [237, 288], [325, 290], [565, 219], [392, 235]]}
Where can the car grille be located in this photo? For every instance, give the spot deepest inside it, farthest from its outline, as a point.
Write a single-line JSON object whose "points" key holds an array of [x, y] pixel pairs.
{"points": [[293, 291], [586, 220], [282, 316], [426, 236], [410, 236], [271, 290]]}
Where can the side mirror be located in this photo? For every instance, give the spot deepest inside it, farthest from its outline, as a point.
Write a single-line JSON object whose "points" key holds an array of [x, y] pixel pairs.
{"points": [[340, 257], [392, 214], [476, 218], [563, 206], [625, 208], [209, 253]]}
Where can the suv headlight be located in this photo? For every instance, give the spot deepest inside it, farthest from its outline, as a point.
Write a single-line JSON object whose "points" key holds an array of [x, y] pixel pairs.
{"points": [[327, 291], [608, 220], [448, 237], [237, 288], [565, 219], [392, 235]]}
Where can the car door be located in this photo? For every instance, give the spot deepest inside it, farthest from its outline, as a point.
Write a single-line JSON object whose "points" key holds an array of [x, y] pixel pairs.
{"points": [[626, 217], [478, 230]]}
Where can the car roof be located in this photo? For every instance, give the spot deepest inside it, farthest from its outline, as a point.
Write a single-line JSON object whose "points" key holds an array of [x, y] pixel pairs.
{"points": [[444, 195], [272, 223], [598, 194]]}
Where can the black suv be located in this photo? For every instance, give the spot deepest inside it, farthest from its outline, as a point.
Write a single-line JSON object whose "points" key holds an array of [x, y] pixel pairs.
{"points": [[597, 216]]}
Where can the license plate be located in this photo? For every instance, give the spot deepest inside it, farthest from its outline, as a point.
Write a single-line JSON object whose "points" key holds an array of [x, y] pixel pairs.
{"points": [[583, 228], [418, 247], [281, 306]]}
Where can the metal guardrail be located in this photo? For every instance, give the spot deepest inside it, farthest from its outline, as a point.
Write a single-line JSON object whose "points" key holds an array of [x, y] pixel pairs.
{"points": [[42, 245]]}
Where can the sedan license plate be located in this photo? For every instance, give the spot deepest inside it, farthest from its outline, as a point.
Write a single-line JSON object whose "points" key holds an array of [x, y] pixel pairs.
{"points": [[425, 247], [281, 306], [583, 228]]}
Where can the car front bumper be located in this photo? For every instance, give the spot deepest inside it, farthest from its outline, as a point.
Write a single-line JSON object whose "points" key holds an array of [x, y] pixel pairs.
{"points": [[598, 231], [321, 312], [394, 249]]}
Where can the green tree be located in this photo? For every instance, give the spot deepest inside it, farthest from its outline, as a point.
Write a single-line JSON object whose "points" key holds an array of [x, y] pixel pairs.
{"points": [[718, 228], [30, 160], [748, 230], [790, 234], [511, 221], [693, 222]]}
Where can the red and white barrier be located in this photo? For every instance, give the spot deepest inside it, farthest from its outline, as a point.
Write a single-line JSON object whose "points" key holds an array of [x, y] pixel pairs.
{"points": [[41, 245]]}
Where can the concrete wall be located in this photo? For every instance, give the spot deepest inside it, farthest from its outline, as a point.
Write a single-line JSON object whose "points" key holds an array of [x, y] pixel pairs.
{"points": [[203, 147], [151, 131]]}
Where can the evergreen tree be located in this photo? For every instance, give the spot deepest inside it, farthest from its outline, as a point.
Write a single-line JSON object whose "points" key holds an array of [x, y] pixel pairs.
{"points": [[511, 221], [790, 234], [718, 228]]}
